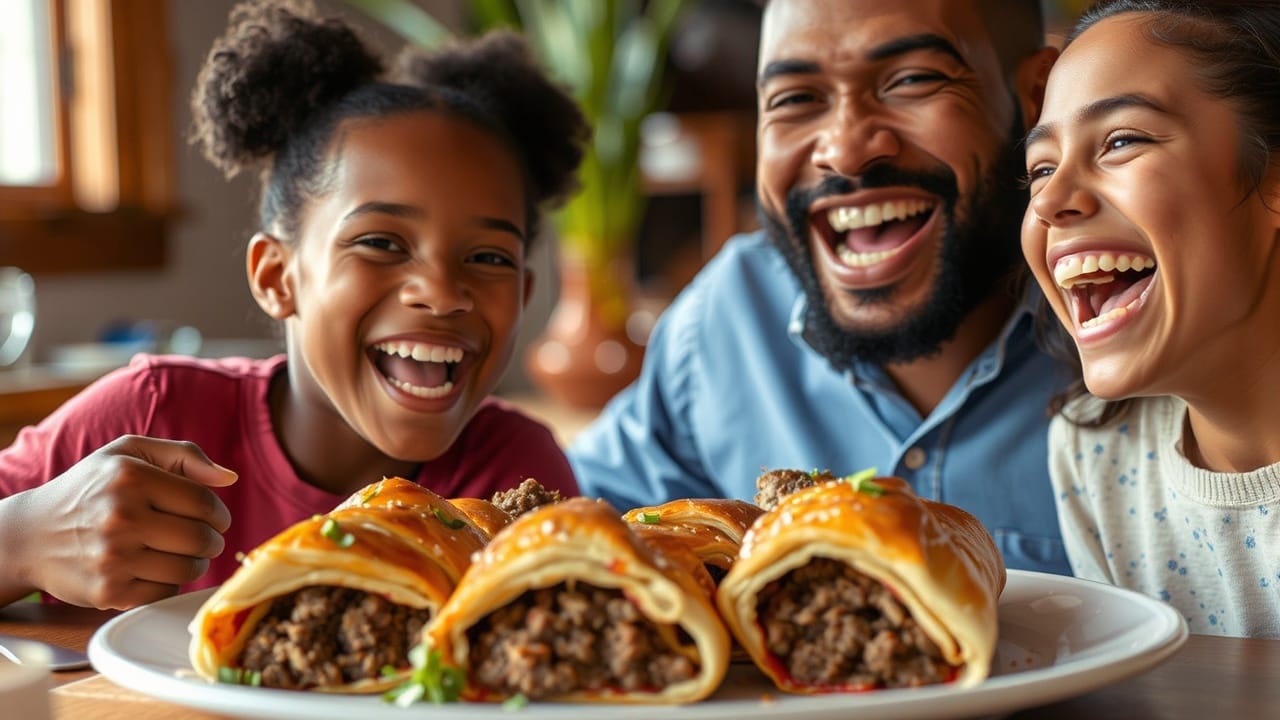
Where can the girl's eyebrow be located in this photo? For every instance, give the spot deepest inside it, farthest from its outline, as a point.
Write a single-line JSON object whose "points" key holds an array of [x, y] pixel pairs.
{"points": [[1093, 111], [495, 223], [402, 210], [385, 208]]}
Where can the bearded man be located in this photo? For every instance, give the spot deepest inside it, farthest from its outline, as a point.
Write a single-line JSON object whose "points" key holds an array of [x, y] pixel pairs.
{"points": [[880, 318]]}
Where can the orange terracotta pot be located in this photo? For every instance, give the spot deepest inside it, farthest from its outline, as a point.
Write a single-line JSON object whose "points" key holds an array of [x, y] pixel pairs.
{"points": [[586, 354]]}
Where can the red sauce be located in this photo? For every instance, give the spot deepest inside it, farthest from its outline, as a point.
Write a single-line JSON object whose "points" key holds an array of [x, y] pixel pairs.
{"points": [[224, 632]]}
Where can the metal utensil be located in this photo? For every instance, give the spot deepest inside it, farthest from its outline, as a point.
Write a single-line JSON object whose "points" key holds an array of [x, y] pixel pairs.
{"points": [[62, 658]]}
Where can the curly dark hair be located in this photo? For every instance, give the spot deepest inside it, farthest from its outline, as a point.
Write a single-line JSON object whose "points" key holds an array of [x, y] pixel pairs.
{"points": [[280, 81], [498, 73], [1235, 46]]}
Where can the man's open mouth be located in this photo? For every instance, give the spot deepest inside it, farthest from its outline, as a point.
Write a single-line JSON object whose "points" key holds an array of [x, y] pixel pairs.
{"points": [[1104, 286], [864, 235], [421, 369]]}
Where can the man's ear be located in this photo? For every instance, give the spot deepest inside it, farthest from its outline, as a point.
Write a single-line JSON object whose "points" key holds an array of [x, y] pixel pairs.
{"points": [[270, 280], [1030, 81]]}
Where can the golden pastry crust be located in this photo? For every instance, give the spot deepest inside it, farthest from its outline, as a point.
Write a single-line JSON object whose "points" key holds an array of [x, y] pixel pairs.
{"points": [[936, 559], [583, 541], [486, 516], [394, 539], [711, 528]]}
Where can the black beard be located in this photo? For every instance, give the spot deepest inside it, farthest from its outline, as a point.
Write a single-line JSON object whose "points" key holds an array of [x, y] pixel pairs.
{"points": [[980, 251]]}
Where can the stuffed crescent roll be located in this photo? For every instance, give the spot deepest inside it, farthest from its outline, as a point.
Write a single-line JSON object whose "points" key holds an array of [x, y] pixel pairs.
{"points": [[712, 528], [856, 585], [566, 603], [486, 516], [329, 602]]}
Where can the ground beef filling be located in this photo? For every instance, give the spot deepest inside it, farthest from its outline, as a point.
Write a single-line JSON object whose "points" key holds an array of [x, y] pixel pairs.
{"points": [[831, 626], [326, 636], [774, 485], [572, 637], [530, 495]]}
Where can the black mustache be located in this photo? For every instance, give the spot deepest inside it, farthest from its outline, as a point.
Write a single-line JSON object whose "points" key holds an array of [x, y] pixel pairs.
{"points": [[940, 182]]}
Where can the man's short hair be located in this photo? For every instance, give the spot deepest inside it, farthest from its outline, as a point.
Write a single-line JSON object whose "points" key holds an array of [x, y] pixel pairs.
{"points": [[1016, 28]]}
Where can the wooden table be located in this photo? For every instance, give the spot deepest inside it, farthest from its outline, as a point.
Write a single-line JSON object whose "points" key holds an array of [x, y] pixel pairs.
{"points": [[1208, 678]]}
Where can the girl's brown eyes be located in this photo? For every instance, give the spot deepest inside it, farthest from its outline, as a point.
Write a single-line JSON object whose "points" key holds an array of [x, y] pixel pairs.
{"points": [[493, 258], [1120, 141], [1036, 173], [378, 242]]}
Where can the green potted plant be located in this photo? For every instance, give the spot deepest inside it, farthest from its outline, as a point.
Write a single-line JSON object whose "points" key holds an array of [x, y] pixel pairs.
{"points": [[612, 54]]}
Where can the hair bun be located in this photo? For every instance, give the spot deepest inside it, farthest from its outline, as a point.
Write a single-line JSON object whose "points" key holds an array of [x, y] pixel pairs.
{"points": [[277, 65], [499, 73]]}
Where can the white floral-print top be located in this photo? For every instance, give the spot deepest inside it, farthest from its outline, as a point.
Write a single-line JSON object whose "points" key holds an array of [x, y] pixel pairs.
{"points": [[1135, 513]]}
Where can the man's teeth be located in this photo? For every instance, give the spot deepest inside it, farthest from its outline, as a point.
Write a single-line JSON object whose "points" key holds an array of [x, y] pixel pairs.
{"points": [[1068, 270], [863, 259], [422, 352], [843, 219]]}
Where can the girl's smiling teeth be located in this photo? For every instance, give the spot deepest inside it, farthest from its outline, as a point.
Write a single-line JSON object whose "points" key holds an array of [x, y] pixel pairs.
{"points": [[1103, 286], [1077, 269], [423, 370], [874, 232]]}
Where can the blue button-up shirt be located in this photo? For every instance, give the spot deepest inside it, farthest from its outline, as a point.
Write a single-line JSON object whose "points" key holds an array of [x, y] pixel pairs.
{"points": [[730, 388]]}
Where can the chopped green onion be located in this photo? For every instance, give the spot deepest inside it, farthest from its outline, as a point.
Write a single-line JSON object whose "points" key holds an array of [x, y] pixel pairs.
{"points": [[450, 522], [431, 679], [364, 499], [861, 475], [515, 702], [863, 481], [332, 530], [406, 694], [418, 655], [239, 676], [815, 472], [452, 681], [651, 518]]}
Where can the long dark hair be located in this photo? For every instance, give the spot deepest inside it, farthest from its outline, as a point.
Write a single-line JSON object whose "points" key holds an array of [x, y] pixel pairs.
{"points": [[1235, 48]]}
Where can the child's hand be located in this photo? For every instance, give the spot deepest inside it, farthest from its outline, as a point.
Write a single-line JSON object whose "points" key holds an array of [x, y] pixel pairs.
{"points": [[126, 525]]}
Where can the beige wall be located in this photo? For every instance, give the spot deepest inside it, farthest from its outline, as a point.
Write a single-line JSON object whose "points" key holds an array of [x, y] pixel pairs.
{"points": [[203, 282]]}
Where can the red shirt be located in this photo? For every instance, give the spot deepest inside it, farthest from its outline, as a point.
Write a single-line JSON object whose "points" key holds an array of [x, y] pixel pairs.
{"points": [[221, 406]]}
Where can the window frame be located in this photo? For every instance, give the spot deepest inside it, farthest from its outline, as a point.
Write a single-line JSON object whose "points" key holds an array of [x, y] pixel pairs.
{"points": [[113, 200]]}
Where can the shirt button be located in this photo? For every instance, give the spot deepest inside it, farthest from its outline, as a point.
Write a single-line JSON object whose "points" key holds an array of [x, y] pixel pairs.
{"points": [[914, 459]]}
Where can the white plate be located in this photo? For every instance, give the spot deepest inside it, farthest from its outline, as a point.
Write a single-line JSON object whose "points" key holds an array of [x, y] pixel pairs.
{"points": [[1059, 637]]}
